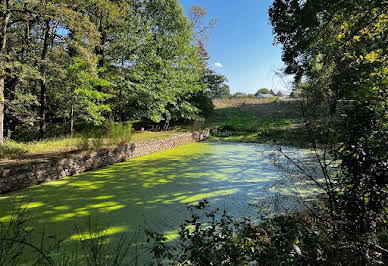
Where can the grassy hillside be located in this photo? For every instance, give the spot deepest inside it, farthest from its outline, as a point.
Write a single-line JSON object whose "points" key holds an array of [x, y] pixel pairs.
{"points": [[261, 121]]}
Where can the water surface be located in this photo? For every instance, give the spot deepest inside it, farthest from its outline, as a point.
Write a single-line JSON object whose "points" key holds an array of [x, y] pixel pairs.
{"points": [[153, 190]]}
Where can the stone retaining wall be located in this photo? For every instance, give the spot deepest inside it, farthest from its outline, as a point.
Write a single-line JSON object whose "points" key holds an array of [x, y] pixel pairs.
{"points": [[21, 176]]}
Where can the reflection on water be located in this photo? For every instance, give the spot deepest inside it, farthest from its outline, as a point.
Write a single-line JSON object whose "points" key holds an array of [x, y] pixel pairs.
{"points": [[154, 190]]}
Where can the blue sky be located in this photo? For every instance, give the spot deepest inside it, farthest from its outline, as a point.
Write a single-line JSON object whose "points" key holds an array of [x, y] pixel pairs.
{"points": [[242, 43]]}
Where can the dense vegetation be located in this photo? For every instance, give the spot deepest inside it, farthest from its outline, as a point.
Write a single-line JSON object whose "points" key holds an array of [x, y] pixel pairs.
{"points": [[66, 62], [336, 51], [339, 49]]}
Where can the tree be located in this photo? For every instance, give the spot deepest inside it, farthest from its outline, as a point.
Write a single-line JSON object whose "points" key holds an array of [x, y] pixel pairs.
{"points": [[200, 23], [70, 61], [339, 48], [216, 85], [85, 100], [262, 91], [152, 63], [8, 9], [203, 55], [239, 95], [37, 37]]}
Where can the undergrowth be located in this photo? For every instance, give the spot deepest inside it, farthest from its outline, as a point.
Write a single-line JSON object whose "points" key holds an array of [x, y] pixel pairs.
{"points": [[93, 248]]}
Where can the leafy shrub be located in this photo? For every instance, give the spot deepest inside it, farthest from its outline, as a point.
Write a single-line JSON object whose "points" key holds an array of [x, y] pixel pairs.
{"points": [[215, 238], [198, 124], [25, 134], [91, 139], [109, 133], [119, 132], [229, 127], [203, 102]]}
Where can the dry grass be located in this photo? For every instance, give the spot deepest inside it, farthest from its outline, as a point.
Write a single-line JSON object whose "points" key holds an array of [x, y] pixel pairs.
{"points": [[141, 137], [264, 108], [223, 103], [274, 110], [63, 144], [60, 147]]}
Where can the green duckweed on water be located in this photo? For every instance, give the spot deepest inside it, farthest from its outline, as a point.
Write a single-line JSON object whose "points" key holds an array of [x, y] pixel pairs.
{"points": [[151, 191]]}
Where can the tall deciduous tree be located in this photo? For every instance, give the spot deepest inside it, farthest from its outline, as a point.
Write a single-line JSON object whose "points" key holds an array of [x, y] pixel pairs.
{"points": [[66, 61], [7, 10]]}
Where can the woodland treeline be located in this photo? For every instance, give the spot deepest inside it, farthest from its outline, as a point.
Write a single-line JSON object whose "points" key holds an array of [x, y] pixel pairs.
{"points": [[69, 61]]}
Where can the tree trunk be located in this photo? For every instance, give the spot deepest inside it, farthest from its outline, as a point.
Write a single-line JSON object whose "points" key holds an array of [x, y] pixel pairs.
{"points": [[121, 94], [4, 24], [42, 122], [27, 33], [72, 120], [99, 49], [1, 105], [43, 85]]}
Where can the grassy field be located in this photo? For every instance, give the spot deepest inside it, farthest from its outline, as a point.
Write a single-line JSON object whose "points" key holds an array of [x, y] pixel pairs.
{"points": [[261, 121]]}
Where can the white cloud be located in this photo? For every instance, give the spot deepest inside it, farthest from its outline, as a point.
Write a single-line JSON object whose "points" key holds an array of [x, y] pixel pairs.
{"points": [[218, 64]]}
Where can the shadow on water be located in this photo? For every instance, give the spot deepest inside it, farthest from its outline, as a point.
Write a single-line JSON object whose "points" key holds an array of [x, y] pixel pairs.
{"points": [[151, 191]]}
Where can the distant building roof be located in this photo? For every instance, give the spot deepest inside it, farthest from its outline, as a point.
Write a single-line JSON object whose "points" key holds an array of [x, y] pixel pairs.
{"points": [[281, 93], [272, 94]]}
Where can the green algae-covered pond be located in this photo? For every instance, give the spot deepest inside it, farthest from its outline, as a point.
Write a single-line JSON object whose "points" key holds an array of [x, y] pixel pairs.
{"points": [[151, 191]]}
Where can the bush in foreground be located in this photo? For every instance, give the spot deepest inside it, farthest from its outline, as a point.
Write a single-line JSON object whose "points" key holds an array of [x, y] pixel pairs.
{"points": [[215, 238]]}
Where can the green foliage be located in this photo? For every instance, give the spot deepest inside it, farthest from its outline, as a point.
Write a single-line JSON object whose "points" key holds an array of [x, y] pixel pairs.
{"points": [[363, 152], [21, 108], [85, 98], [204, 103], [94, 137], [262, 91], [338, 49], [198, 124], [119, 133], [8, 151], [212, 237], [88, 61], [93, 247], [240, 95], [216, 85], [165, 71]]}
